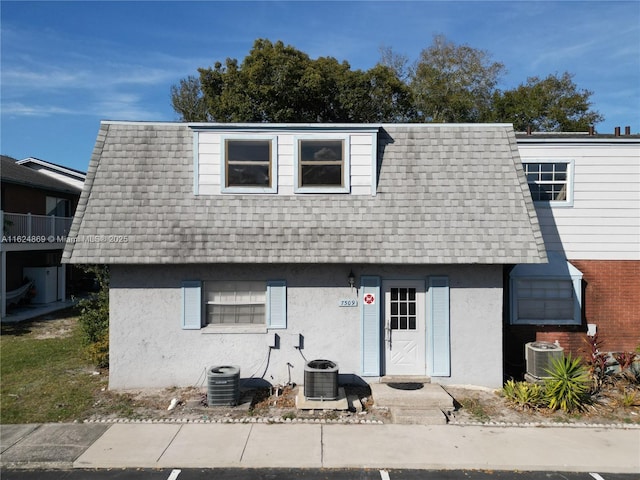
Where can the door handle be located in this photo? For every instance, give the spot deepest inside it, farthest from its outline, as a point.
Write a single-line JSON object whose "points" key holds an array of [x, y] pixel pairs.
{"points": [[387, 334]]}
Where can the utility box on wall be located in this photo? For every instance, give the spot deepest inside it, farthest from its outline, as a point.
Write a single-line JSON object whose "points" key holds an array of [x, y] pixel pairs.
{"points": [[45, 282]]}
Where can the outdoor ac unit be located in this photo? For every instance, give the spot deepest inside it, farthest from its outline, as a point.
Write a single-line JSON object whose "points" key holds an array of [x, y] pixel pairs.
{"points": [[321, 380], [223, 385], [539, 357]]}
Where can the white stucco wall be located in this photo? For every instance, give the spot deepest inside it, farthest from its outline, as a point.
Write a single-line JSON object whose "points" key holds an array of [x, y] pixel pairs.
{"points": [[148, 347]]}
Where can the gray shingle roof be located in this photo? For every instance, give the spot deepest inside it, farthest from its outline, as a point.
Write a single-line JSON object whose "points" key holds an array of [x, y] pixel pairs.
{"points": [[12, 172], [446, 195]]}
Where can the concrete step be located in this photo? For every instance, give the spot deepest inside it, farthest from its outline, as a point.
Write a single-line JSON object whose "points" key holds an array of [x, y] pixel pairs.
{"points": [[418, 416], [404, 379], [427, 396]]}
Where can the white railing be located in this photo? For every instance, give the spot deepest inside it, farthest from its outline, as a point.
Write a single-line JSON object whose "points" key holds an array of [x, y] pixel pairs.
{"points": [[28, 228]]}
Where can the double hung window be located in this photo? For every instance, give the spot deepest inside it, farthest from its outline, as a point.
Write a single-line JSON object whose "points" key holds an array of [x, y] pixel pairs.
{"points": [[322, 165], [249, 165], [549, 181]]}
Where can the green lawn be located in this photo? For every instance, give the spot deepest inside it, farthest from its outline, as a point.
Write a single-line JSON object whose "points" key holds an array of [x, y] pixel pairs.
{"points": [[45, 379]]}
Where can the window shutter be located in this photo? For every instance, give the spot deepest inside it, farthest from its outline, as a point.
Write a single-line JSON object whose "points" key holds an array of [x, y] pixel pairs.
{"points": [[191, 305], [438, 327], [370, 326], [276, 304]]}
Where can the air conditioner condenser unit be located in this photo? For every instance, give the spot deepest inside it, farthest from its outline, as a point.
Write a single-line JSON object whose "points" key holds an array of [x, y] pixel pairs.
{"points": [[539, 357]]}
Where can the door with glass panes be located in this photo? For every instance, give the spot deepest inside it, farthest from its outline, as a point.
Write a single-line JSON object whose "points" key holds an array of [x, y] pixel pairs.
{"points": [[404, 327]]}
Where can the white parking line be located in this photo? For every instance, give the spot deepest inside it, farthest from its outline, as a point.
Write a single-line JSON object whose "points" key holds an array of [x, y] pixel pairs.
{"points": [[384, 475], [597, 476], [174, 474]]}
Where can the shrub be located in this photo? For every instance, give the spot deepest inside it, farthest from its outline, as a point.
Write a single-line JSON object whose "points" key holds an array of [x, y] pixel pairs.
{"points": [[567, 388], [94, 318], [524, 395], [598, 365]]}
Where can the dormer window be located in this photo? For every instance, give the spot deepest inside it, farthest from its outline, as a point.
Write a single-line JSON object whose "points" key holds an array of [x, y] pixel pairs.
{"points": [[249, 165], [322, 165]]}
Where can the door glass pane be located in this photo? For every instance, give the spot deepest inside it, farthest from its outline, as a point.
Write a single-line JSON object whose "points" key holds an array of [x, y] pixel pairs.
{"points": [[403, 308]]}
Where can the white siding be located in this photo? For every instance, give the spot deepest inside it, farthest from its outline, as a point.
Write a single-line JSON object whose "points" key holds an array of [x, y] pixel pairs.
{"points": [[360, 154], [604, 221]]}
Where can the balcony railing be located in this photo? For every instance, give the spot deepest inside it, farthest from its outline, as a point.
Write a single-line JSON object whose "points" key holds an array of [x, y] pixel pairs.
{"points": [[28, 228]]}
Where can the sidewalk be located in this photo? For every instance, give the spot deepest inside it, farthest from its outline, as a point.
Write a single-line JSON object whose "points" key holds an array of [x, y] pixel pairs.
{"points": [[258, 445]]}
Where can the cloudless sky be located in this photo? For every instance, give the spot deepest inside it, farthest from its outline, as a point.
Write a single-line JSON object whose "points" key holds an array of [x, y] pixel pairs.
{"points": [[67, 65]]}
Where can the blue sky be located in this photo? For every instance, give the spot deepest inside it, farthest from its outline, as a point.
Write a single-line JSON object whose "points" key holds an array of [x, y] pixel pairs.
{"points": [[67, 65]]}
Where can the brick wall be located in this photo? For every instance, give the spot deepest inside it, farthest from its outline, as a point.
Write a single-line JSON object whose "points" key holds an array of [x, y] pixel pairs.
{"points": [[611, 300]]}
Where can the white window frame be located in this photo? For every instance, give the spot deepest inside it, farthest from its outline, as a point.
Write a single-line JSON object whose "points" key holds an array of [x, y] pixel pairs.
{"points": [[568, 201], [273, 167], [234, 289], [346, 164], [556, 270]]}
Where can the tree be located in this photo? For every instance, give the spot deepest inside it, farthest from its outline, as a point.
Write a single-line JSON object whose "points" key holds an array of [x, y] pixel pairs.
{"points": [[278, 83], [187, 100], [553, 104], [448, 83], [452, 83]]}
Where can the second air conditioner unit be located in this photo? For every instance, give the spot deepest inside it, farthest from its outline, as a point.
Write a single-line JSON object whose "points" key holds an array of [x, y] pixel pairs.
{"points": [[539, 357]]}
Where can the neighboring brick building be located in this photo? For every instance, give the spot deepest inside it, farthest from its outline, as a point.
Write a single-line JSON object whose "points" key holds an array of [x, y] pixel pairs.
{"points": [[586, 189]]}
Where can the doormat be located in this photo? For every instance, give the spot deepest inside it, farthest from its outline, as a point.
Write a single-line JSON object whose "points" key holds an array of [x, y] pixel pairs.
{"points": [[406, 385]]}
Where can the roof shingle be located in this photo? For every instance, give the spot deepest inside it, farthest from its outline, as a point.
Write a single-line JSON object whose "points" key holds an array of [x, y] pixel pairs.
{"points": [[446, 195]]}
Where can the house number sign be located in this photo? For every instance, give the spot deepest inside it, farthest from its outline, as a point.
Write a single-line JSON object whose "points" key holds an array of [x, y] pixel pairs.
{"points": [[348, 302]]}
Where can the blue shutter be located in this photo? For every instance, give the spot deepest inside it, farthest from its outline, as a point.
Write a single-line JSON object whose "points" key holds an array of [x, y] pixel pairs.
{"points": [[276, 304], [438, 327], [191, 305], [370, 326]]}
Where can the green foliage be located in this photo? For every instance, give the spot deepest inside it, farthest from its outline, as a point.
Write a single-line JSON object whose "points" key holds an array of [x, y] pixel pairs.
{"points": [[475, 408], [187, 100], [454, 83], [568, 386], [278, 83], [94, 317], [448, 83], [524, 395], [44, 379], [552, 104]]}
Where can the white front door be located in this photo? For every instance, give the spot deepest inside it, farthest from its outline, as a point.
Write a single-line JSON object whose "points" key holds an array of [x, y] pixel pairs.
{"points": [[404, 327]]}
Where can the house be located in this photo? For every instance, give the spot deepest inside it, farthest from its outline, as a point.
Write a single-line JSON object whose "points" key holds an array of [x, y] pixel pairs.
{"points": [[36, 211], [68, 175], [586, 190], [380, 247]]}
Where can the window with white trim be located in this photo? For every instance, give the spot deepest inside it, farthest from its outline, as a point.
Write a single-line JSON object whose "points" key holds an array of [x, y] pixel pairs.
{"points": [[546, 294], [234, 306], [550, 181], [235, 303], [322, 165], [249, 164]]}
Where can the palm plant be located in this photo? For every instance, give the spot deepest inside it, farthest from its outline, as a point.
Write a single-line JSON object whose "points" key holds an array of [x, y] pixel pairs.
{"points": [[567, 387]]}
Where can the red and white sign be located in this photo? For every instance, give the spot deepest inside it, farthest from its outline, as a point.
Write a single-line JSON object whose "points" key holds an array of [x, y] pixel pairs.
{"points": [[369, 299]]}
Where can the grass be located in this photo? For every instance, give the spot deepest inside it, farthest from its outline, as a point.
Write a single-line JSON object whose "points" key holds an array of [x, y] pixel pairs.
{"points": [[475, 408], [45, 379]]}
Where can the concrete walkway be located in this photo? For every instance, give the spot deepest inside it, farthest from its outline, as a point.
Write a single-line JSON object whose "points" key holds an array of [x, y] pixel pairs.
{"points": [[258, 445]]}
